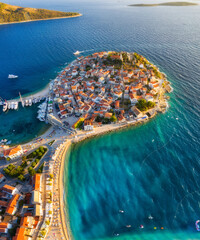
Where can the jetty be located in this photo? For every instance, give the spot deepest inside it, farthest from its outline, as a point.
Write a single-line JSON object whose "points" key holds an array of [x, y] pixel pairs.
{"points": [[24, 101]]}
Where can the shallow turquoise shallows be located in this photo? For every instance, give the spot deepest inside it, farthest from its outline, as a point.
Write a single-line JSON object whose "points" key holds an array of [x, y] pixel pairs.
{"points": [[148, 170]]}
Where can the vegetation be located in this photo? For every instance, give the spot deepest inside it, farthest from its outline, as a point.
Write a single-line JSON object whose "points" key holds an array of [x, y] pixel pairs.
{"points": [[10, 13], [14, 171], [79, 123], [37, 153], [143, 105], [51, 143], [51, 176], [40, 169], [113, 118], [31, 171], [113, 62]]}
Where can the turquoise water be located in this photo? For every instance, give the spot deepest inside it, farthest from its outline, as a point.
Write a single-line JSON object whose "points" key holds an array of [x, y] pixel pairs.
{"points": [[152, 169]]}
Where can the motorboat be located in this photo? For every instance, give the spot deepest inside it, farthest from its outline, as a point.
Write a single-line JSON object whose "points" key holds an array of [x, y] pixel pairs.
{"points": [[5, 107], [12, 76], [29, 102], [77, 53], [16, 105], [26, 102], [128, 226], [12, 105], [197, 224], [121, 211]]}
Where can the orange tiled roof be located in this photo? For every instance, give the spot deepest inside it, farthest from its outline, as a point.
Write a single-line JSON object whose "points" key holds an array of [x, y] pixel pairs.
{"points": [[20, 234], [3, 225], [8, 188], [12, 204], [36, 182]]}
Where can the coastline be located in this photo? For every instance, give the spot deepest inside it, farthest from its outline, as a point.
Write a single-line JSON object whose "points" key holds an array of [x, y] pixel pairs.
{"points": [[79, 15], [64, 221]]}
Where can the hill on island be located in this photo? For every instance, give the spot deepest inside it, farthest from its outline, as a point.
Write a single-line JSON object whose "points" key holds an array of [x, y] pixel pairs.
{"points": [[10, 13]]}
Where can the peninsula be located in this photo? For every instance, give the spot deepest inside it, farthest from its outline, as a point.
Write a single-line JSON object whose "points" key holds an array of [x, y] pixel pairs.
{"points": [[96, 94], [176, 4], [14, 14]]}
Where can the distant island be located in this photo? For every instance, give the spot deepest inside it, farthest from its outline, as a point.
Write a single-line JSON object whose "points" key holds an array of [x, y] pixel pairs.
{"points": [[12, 14], [177, 4]]}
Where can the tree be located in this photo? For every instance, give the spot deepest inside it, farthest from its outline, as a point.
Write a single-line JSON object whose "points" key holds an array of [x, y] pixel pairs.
{"points": [[150, 104], [113, 118], [7, 172], [51, 175], [34, 154], [21, 177], [143, 105], [37, 160], [33, 164]]}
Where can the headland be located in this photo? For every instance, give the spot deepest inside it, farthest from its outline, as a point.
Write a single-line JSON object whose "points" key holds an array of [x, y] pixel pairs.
{"points": [[13, 14]]}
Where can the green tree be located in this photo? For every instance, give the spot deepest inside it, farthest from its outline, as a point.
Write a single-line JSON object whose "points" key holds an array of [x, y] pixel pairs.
{"points": [[113, 118], [21, 177]]}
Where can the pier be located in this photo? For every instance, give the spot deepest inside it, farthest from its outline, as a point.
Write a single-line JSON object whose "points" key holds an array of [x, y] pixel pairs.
{"points": [[25, 101]]}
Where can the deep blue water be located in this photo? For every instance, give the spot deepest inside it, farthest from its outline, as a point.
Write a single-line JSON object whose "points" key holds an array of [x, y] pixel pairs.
{"points": [[152, 169]]}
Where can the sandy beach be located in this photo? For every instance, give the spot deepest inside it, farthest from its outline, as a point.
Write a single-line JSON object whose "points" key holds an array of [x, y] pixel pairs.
{"points": [[79, 15], [64, 224]]}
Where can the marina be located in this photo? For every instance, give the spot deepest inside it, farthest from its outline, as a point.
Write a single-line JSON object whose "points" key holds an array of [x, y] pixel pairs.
{"points": [[14, 104]]}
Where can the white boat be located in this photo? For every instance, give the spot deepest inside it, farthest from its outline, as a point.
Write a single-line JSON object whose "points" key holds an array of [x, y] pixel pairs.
{"points": [[30, 102], [26, 102], [16, 105], [12, 76], [77, 53], [12, 105], [5, 107]]}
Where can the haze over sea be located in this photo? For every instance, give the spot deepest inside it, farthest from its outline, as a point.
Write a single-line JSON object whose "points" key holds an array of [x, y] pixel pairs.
{"points": [[151, 169]]}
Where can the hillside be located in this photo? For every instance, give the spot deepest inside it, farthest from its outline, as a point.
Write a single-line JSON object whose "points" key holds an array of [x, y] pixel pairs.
{"points": [[180, 4], [10, 13]]}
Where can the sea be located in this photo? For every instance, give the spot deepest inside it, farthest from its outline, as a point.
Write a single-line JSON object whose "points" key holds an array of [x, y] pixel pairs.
{"points": [[142, 182]]}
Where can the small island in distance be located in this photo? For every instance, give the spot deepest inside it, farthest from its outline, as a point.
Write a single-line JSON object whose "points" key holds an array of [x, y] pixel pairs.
{"points": [[176, 4], [13, 14]]}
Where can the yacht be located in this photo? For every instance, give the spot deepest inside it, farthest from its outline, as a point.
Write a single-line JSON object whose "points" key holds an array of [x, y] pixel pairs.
{"points": [[29, 102], [16, 105], [5, 107], [26, 102], [12, 76], [77, 53], [12, 105]]}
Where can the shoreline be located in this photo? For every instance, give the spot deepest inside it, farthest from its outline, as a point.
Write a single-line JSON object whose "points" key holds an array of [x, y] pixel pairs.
{"points": [[64, 221], [79, 15]]}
